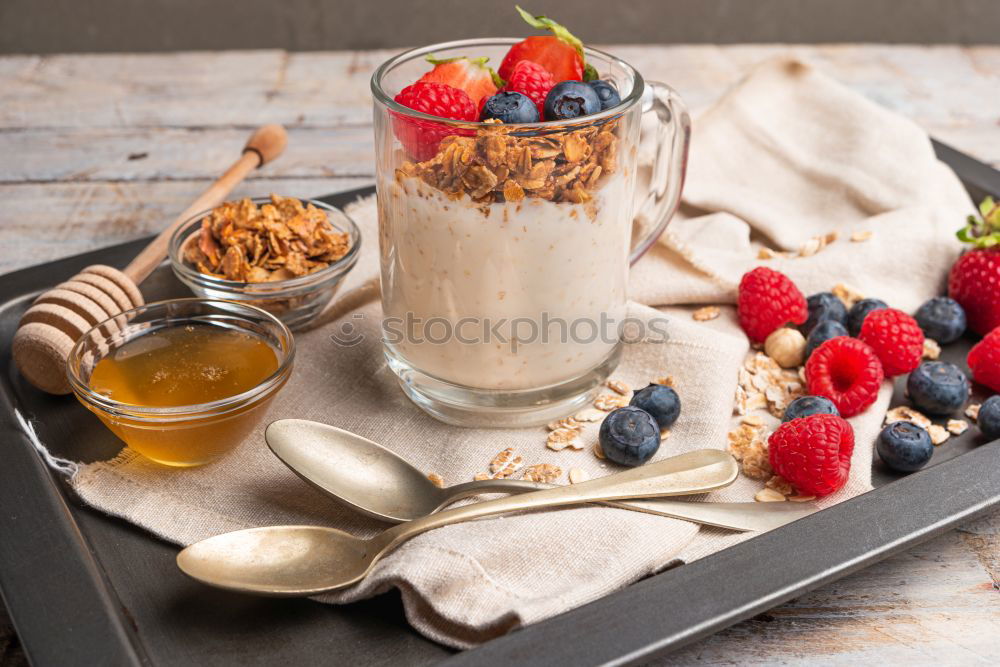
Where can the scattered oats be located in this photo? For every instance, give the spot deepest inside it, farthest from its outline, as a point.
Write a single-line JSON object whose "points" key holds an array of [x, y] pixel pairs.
{"points": [[664, 433], [904, 413], [931, 349], [831, 237], [665, 380], [598, 452], [756, 401], [436, 479], [811, 247], [619, 387], [786, 346], [938, 434], [505, 464], [847, 294], [802, 374], [740, 401], [766, 495], [972, 412], [609, 402], [801, 499], [589, 415], [561, 438], [706, 313], [861, 236], [749, 446], [957, 426], [480, 476], [766, 253], [753, 420], [543, 472], [565, 422], [781, 485], [577, 475], [761, 381]]}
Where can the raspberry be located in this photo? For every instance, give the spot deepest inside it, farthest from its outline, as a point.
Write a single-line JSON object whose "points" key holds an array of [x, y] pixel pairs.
{"points": [[420, 138], [768, 300], [896, 338], [532, 80], [846, 371], [813, 453], [984, 360]]}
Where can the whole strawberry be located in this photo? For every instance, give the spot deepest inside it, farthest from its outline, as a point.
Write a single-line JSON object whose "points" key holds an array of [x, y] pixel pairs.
{"points": [[974, 280], [896, 338], [532, 80], [421, 138], [984, 360], [768, 300], [813, 453], [561, 53]]}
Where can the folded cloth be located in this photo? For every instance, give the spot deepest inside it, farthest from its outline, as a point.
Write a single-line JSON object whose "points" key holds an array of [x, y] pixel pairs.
{"points": [[786, 156]]}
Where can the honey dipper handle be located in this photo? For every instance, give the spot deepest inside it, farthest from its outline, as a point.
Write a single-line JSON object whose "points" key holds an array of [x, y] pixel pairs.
{"points": [[264, 145]]}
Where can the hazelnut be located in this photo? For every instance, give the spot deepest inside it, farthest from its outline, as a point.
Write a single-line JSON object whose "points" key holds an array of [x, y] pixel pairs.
{"points": [[786, 346]]}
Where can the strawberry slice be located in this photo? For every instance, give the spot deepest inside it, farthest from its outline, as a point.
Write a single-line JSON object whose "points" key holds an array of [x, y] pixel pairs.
{"points": [[561, 53], [468, 74]]}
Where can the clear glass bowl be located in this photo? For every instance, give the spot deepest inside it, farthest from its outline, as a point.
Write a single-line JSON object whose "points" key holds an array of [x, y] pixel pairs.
{"points": [[186, 435], [296, 301]]}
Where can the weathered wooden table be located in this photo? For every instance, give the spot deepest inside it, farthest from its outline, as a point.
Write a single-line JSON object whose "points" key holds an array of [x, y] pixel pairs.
{"points": [[96, 150]]}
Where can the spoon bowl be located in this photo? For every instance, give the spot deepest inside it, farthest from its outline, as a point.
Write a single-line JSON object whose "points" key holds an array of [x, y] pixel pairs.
{"points": [[268, 561]]}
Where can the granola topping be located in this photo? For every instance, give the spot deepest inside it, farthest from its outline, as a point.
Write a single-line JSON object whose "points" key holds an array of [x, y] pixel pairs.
{"points": [[497, 165], [247, 243]]}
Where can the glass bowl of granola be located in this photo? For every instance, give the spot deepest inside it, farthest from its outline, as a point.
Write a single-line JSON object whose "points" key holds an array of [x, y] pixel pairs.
{"points": [[284, 255]]}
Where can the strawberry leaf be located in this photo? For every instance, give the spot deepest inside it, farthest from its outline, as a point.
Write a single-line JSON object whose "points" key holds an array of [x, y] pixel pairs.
{"points": [[983, 232], [545, 23]]}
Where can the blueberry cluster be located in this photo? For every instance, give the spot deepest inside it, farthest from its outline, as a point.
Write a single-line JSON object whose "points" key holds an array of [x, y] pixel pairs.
{"points": [[565, 101], [631, 435]]}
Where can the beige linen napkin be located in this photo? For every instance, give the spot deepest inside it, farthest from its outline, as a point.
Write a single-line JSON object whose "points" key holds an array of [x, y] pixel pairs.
{"points": [[785, 156]]}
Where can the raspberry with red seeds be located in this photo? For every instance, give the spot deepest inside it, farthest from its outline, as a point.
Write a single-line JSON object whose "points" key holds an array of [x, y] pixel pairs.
{"points": [[768, 300], [984, 360], [896, 338], [813, 453], [421, 138], [533, 80], [847, 371]]}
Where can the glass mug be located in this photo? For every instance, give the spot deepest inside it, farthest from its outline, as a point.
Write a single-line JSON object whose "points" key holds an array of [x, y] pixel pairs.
{"points": [[505, 250]]}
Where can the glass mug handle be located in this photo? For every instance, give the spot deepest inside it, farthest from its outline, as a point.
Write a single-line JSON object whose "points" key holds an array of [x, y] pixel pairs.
{"points": [[673, 135]]}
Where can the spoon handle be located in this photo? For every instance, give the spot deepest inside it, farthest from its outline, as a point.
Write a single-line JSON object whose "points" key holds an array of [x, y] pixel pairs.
{"points": [[694, 472]]}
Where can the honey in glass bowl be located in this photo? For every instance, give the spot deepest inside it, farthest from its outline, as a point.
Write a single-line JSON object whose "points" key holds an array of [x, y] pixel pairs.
{"points": [[184, 390]]}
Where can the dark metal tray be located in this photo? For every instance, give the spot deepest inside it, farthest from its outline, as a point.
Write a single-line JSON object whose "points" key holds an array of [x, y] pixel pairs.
{"points": [[84, 588]]}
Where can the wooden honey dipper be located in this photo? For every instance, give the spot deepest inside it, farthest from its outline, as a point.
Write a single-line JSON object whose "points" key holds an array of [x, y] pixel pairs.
{"points": [[56, 320]]}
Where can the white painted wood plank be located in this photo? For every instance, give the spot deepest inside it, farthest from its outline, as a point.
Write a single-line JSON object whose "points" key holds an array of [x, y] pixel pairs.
{"points": [[129, 154]]}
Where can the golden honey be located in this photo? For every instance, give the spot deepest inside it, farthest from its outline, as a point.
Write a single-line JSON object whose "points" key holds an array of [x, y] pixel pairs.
{"points": [[187, 365]]}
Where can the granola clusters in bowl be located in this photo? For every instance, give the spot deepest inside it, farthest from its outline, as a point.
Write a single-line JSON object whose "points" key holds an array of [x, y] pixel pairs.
{"points": [[282, 254], [499, 164]]}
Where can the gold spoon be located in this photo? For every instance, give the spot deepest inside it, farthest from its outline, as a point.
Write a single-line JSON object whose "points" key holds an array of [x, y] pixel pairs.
{"points": [[377, 482], [309, 560]]}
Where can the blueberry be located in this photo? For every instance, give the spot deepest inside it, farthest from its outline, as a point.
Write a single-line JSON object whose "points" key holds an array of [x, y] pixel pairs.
{"points": [[823, 331], [660, 401], [904, 446], [629, 436], [942, 319], [989, 417], [511, 107], [803, 406], [824, 306], [571, 99], [607, 93], [937, 387], [859, 311]]}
